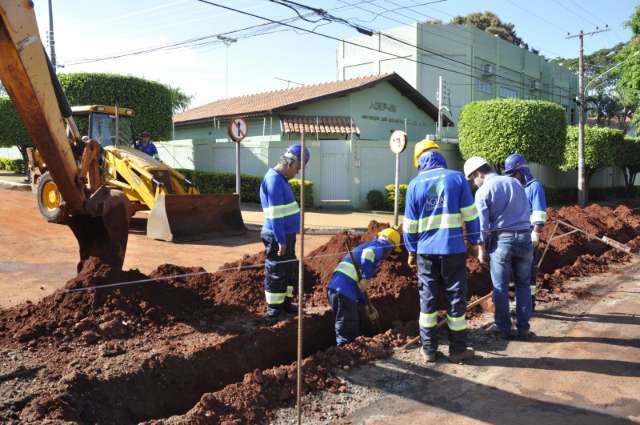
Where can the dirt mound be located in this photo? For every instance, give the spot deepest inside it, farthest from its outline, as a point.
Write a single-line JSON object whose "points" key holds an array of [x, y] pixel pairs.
{"points": [[112, 312]]}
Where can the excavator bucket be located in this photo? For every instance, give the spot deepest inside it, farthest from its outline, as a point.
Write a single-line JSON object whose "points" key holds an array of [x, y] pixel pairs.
{"points": [[181, 218]]}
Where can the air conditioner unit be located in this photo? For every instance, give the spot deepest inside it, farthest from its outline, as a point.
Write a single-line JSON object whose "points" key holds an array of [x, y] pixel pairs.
{"points": [[534, 85], [488, 69]]}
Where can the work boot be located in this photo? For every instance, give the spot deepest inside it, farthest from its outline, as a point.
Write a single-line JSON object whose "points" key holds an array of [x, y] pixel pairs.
{"points": [[467, 354], [290, 308], [429, 356], [501, 334], [526, 335], [273, 319]]}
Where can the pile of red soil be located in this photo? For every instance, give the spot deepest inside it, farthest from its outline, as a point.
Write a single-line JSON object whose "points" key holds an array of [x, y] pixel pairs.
{"points": [[106, 313], [261, 391]]}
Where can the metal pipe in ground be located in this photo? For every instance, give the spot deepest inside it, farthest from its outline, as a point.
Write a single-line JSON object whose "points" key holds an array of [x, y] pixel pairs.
{"points": [[300, 285]]}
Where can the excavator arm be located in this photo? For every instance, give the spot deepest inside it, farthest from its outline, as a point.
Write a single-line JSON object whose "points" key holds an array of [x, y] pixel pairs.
{"points": [[98, 217]]}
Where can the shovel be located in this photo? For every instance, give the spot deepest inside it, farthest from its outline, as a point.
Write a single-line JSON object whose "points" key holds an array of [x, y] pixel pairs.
{"points": [[372, 312]]}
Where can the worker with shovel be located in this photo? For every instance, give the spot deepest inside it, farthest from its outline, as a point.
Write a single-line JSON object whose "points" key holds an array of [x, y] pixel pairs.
{"points": [[438, 204], [281, 223], [350, 280]]}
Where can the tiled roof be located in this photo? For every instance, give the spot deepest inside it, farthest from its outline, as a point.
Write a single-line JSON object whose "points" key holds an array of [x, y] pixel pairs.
{"points": [[282, 100], [321, 125]]}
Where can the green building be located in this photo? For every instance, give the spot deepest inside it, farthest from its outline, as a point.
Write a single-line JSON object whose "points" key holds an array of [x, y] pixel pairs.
{"points": [[474, 65], [346, 123]]}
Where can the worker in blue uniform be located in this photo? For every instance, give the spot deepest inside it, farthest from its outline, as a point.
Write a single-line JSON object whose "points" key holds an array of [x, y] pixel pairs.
{"points": [[516, 166], [503, 211], [438, 204], [147, 146], [349, 282], [281, 223]]}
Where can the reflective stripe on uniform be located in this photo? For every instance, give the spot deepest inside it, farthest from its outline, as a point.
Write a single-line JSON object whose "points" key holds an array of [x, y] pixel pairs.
{"points": [[469, 213], [533, 289], [290, 291], [369, 254], [348, 269], [275, 297], [457, 323], [538, 216], [440, 221], [280, 211], [409, 226], [428, 320]]}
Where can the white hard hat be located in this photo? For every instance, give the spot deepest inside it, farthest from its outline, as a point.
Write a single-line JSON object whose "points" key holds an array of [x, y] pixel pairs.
{"points": [[472, 164]]}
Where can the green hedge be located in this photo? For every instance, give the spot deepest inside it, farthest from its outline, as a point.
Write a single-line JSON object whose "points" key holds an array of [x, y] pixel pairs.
{"points": [[308, 191], [214, 182], [12, 132], [557, 196], [152, 101], [376, 200], [601, 146], [15, 165], [494, 129], [390, 190]]}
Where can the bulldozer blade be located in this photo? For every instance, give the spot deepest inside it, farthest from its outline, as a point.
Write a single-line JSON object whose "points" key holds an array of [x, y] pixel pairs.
{"points": [[180, 218]]}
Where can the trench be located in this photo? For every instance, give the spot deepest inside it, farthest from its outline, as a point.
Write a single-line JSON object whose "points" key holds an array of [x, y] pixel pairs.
{"points": [[172, 385]]}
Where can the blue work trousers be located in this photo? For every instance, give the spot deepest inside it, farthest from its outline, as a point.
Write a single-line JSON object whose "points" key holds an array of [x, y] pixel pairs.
{"points": [[443, 273], [345, 316], [280, 273], [511, 253]]}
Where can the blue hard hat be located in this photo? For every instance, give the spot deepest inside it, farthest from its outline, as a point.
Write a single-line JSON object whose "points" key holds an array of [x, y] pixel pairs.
{"points": [[513, 163], [296, 151]]}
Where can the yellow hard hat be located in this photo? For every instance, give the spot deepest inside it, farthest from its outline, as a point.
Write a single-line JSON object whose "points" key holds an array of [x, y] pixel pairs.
{"points": [[421, 147], [393, 235]]}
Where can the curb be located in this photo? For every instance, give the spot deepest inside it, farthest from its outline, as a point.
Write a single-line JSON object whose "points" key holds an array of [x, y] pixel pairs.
{"points": [[254, 227], [7, 184]]}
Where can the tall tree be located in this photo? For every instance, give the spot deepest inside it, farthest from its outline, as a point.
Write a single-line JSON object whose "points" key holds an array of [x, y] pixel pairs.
{"points": [[491, 23], [628, 83]]}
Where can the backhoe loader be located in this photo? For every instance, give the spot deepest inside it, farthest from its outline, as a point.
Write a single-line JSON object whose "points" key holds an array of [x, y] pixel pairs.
{"points": [[177, 211], [82, 181]]}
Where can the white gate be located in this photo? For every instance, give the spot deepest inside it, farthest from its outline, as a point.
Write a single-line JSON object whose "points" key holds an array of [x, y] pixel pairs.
{"points": [[335, 187]]}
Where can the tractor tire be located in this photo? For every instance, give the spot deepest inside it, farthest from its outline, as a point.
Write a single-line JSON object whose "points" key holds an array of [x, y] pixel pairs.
{"points": [[50, 201]]}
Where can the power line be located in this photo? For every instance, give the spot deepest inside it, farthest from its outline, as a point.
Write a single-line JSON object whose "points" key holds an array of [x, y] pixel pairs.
{"points": [[327, 36]]}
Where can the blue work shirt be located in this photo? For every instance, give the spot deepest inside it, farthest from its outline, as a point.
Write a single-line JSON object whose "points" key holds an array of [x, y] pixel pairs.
{"points": [[281, 210], [150, 149], [537, 202], [368, 255], [438, 203], [502, 205]]}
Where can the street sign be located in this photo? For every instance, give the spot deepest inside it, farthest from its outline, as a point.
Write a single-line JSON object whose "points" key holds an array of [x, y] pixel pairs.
{"points": [[237, 129], [398, 141]]}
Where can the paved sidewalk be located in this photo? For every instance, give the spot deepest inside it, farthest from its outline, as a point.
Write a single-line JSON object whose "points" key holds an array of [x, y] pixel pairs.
{"points": [[11, 180], [322, 220]]}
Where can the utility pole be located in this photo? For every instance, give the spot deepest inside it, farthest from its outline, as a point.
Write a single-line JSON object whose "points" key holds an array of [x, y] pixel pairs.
{"points": [[52, 43], [582, 186], [227, 42], [439, 129]]}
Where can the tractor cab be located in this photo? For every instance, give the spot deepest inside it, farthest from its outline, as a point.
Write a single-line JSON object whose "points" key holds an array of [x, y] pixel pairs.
{"points": [[108, 125]]}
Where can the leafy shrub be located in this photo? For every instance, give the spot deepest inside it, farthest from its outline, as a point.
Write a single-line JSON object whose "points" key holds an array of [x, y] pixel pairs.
{"points": [[494, 129], [375, 200], [152, 101], [601, 148], [214, 182], [402, 191], [15, 165], [308, 191]]}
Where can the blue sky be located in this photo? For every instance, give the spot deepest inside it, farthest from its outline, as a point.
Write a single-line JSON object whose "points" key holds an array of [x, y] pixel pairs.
{"points": [[90, 29]]}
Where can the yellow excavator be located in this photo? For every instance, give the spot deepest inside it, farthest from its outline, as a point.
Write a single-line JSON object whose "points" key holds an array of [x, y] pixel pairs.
{"points": [[177, 211], [95, 205]]}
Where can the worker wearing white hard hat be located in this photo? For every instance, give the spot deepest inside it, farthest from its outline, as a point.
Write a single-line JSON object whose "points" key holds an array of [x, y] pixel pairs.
{"points": [[503, 210]]}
